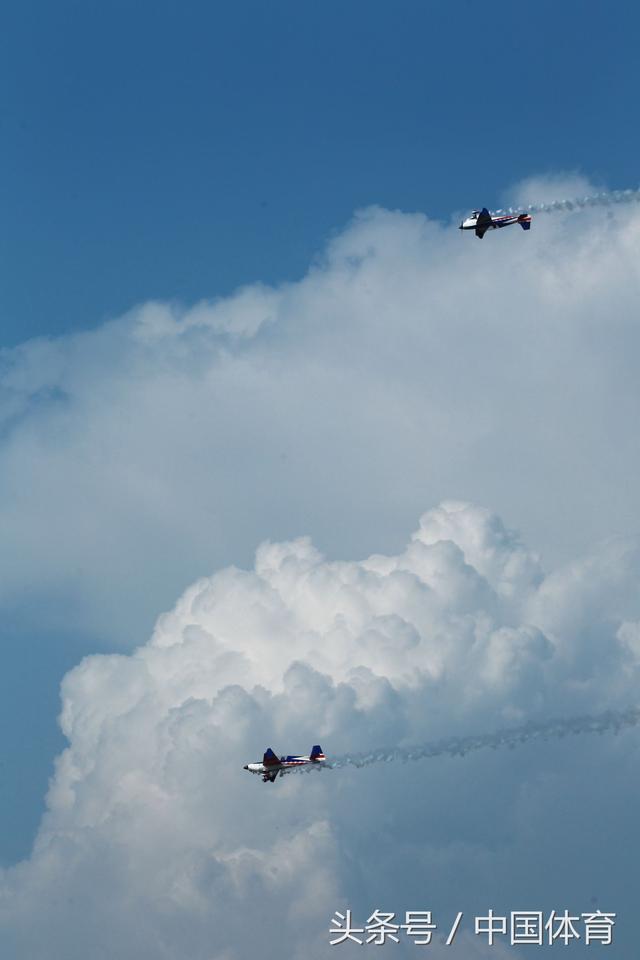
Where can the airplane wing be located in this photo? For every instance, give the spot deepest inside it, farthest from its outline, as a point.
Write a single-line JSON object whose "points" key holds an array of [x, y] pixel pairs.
{"points": [[270, 760], [483, 223]]}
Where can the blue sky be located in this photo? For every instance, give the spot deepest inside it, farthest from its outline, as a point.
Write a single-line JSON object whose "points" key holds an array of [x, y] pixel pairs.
{"points": [[157, 150], [172, 153]]}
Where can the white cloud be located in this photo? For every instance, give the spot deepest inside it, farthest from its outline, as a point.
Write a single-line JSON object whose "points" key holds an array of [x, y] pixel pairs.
{"points": [[411, 364], [157, 844], [548, 188]]}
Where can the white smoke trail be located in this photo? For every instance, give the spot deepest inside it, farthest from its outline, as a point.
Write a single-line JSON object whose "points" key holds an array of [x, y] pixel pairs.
{"points": [[511, 737], [606, 199]]}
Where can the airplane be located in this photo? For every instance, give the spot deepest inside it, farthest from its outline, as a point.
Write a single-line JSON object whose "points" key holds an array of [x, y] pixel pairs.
{"points": [[481, 221], [271, 766]]}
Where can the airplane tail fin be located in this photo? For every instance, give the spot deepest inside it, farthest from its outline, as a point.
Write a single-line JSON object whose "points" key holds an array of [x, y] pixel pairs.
{"points": [[269, 758], [525, 221], [316, 753]]}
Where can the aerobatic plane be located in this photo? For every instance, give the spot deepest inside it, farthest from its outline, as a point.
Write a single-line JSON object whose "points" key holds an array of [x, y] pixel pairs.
{"points": [[482, 220], [272, 765]]}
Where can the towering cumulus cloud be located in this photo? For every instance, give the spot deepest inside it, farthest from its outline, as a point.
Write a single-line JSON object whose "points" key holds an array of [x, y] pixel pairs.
{"points": [[156, 843], [410, 367]]}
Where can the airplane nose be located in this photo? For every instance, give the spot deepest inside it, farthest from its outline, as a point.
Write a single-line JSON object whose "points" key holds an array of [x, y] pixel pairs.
{"points": [[246, 766]]}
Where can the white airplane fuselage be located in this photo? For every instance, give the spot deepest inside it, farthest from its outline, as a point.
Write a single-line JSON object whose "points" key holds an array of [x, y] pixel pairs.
{"points": [[481, 220], [285, 766], [256, 768], [272, 766], [470, 223]]}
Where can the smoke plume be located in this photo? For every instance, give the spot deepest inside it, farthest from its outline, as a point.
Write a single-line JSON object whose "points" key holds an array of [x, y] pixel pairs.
{"points": [[556, 729], [605, 199]]}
